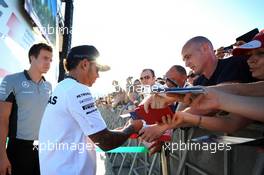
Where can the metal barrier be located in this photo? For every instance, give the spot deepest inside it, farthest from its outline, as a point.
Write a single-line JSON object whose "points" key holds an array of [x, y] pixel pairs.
{"points": [[183, 165], [164, 169]]}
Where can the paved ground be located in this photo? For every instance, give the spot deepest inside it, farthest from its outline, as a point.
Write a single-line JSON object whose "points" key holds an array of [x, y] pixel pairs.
{"points": [[103, 165]]}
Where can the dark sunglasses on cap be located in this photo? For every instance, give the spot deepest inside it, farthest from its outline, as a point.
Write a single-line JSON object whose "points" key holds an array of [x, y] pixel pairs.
{"points": [[260, 53], [173, 82], [192, 75]]}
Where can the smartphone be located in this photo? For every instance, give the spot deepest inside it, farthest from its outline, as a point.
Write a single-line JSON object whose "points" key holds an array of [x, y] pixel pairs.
{"points": [[248, 36], [192, 90]]}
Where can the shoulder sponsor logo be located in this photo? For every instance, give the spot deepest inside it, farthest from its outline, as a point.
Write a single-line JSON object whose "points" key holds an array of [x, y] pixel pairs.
{"points": [[53, 100], [3, 83], [25, 84], [88, 106], [83, 94], [2, 89], [85, 100]]}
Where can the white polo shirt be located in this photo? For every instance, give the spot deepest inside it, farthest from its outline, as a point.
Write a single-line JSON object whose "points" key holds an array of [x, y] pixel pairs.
{"points": [[69, 118]]}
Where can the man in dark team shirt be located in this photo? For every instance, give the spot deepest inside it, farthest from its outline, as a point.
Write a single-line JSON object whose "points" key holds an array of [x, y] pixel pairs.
{"points": [[198, 54]]}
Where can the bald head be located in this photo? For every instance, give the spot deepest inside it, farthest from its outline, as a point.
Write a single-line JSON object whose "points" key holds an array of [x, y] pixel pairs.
{"points": [[198, 54], [178, 76], [198, 41]]}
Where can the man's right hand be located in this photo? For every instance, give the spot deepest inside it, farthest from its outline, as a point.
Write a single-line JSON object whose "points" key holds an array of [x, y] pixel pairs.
{"points": [[220, 53], [137, 124], [5, 166], [152, 132], [155, 147]]}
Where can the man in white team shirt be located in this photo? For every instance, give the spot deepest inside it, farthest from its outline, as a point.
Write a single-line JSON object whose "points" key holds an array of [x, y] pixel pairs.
{"points": [[72, 125]]}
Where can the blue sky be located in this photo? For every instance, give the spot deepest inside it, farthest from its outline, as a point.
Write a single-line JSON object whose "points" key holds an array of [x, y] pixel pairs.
{"points": [[135, 34]]}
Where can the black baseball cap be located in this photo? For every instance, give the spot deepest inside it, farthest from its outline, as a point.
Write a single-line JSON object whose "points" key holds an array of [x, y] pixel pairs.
{"points": [[88, 52]]}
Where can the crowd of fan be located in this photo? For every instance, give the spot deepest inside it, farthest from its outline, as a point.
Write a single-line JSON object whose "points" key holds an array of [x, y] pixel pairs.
{"points": [[232, 80], [137, 89]]}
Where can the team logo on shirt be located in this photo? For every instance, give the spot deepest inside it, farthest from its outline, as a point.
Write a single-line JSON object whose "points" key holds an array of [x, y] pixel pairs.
{"points": [[83, 94], [47, 88], [25, 84]]}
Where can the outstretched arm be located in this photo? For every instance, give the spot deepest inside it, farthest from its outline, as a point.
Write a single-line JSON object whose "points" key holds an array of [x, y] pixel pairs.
{"points": [[246, 89], [110, 139], [250, 107]]}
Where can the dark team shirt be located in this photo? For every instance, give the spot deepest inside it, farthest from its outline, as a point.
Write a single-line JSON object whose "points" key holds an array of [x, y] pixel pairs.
{"points": [[233, 69], [29, 102]]}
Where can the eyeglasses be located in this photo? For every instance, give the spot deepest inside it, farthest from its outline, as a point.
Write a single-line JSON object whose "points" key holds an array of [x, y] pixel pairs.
{"points": [[173, 82], [145, 77], [94, 63], [97, 69], [256, 52]]}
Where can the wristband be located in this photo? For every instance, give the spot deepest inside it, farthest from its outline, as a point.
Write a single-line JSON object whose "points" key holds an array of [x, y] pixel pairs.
{"points": [[199, 122]]}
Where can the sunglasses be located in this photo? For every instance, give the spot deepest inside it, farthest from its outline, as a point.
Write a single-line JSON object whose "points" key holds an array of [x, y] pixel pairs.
{"points": [[259, 53], [173, 82], [145, 77], [192, 75]]}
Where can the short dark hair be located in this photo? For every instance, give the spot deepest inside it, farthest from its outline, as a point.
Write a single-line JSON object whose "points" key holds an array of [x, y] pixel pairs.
{"points": [[35, 50], [201, 40], [79, 53], [160, 81], [151, 70], [180, 69]]}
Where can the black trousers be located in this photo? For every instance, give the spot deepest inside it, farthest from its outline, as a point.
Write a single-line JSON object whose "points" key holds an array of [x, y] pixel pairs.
{"points": [[23, 156]]}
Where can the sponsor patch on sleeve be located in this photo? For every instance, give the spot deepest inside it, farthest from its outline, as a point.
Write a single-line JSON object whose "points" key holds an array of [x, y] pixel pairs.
{"points": [[85, 100], [89, 112], [88, 106]]}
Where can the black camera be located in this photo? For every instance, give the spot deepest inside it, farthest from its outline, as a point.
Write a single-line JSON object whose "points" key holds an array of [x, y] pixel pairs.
{"points": [[247, 37]]}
